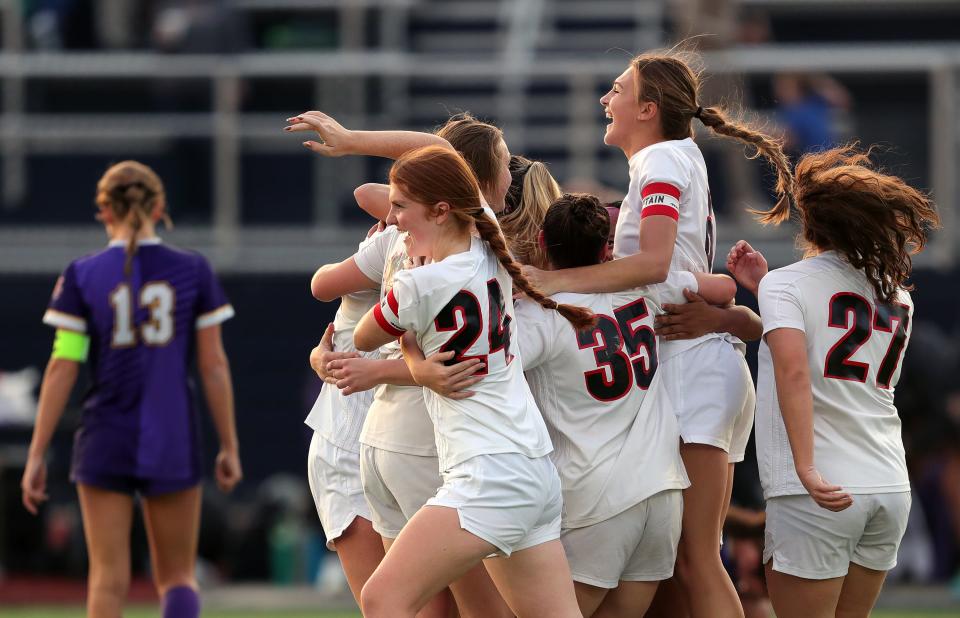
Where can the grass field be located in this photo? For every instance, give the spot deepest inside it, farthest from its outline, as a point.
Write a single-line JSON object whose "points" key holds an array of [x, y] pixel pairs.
{"points": [[41, 612]]}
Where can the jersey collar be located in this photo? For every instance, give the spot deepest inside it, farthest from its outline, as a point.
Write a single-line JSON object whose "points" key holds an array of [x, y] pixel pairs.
{"points": [[143, 242]]}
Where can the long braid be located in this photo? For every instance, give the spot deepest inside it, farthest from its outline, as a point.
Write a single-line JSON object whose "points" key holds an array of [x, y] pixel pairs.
{"points": [[580, 317], [135, 224], [137, 198], [769, 148]]}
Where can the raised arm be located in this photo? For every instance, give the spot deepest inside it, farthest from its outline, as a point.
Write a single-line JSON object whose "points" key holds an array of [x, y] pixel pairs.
{"points": [[650, 265], [337, 141], [332, 281], [747, 265], [374, 199]]}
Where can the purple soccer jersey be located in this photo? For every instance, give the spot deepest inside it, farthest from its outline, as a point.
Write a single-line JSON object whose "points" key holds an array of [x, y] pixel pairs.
{"points": [[138, 416]]}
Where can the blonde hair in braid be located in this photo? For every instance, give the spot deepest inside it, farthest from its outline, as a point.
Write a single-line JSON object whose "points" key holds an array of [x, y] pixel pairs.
{"points": [[432, 175]]}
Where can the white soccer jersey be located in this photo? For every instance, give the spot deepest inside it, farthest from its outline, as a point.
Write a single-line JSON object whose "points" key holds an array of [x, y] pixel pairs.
{"points": [[462, 303], [670, 178], [339, 418], [614, 430], [855, 346], [398, 419]]}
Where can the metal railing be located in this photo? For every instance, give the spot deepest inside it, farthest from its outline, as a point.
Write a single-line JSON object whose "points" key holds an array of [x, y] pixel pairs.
{"points": [[231, 131]]}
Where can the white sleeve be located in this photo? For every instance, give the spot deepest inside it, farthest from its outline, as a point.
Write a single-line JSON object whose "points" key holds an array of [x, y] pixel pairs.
{"points": [[780, 305], [660, 179], [671, 290], [533, 330], [401, 309], [371, 256]]}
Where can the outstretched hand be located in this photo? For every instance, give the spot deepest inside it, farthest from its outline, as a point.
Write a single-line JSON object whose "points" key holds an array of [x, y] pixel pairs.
{"points": [[747, 265], [335, 139]]}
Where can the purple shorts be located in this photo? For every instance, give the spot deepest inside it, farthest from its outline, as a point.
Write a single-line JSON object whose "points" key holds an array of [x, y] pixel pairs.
{"points": [[136, 485], [118, 458]]}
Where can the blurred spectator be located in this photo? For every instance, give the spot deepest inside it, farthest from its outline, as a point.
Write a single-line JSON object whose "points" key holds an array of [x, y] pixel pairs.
{"points": [[121, 24], [807, 108], [929, 404], [712, 25], [743, 537], [60, 24], [197, 27]]}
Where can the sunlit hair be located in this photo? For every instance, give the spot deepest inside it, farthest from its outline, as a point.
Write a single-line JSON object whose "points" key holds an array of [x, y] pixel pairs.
{"points": [[531, 192], [477, 142], [875, 221], [575, 230], [432, 175], [667, 78], [130, 190]]}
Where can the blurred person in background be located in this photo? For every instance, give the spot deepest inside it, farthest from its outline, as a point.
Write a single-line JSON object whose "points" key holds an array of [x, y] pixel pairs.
{"points": [[136, 311], [807, 108], [715, 25]]}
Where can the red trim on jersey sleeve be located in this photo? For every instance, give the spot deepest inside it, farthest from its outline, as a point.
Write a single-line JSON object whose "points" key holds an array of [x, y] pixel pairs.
{"points": [[392, 301], [384, 324], [660, 209], [660, 187]]}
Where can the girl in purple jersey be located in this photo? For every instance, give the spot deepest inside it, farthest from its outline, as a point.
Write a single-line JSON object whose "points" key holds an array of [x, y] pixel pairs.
{"points": [[136, 310]]}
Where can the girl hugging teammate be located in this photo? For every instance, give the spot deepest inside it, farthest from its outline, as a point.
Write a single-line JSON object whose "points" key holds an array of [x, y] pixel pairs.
{"points": [[611, 420], [493, 446]]}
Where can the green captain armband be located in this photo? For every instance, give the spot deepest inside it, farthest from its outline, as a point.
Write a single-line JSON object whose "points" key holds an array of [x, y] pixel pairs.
{"points": [[71, 345]]}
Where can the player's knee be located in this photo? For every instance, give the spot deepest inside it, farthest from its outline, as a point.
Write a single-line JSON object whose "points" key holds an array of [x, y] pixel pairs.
{"points": [[382, 597], [375, 598], [109, 582]]}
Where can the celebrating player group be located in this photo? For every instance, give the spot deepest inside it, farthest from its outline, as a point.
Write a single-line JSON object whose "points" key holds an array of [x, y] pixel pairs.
{"points": [[533, 401]]}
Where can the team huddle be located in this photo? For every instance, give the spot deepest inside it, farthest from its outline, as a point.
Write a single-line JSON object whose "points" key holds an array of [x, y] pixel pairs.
{"points": [[519, 417]]}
